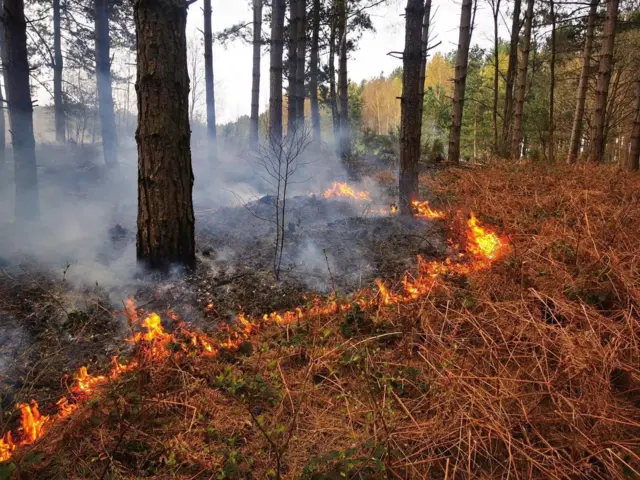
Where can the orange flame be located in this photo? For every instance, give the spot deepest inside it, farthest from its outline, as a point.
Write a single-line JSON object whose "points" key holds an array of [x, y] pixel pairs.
{"points": [[344, 190], [424, 210], [485, 245], [32, 421], [7, 446]]}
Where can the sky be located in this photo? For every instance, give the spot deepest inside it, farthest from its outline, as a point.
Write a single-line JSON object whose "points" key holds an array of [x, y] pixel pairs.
{"points": [[232, 65]]}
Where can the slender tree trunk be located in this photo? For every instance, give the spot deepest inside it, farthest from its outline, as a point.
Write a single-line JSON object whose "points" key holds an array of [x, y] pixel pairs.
{"points": [[426, 19], [275, 71], [3, 139], [522, 83], [598, 141], [5, 78], [462, 61], [292, 66], [335, 115], [313, 72], [165, 177], [576, 131], [410, 121], [301, 51], [552, 83], [343, 82], [3, 128], [21, 111], [633, 162], [255, 86], [208, 82], [511, 77], [495, 6], [3, 53], [103, 74], [57, 75]]}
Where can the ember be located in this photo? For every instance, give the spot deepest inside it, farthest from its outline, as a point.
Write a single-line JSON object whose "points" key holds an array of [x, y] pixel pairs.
{"points": [[344, 190]]}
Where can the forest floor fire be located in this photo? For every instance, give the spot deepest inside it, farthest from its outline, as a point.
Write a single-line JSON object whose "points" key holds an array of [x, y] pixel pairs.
{"points": [[507, 357]]}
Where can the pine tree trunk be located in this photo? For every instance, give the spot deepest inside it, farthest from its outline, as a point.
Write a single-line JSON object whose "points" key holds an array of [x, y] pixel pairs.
{"points": [[343, 82], [3, 52], [522, 83], [462, 61], [292, 63], [511, 77], [598, 141], [333, 100], [3, 140], [60, 120], [255, 86], [633, 161], [313, 72], [552, 83], [208, 82], [496, 72], [576, 131], [426, 19], [275, 71], [21, 111], [3, 126], [165, 177], [301, 50], [410, 121], [103, 74]]}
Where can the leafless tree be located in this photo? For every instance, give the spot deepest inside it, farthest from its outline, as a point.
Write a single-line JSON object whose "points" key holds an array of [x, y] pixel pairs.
{"points": [[279, 160], [196, 93]]}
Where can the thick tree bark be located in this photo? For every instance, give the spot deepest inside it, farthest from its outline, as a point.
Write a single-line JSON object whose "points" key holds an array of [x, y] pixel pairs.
{"points": [[333, 100], [208, 82], [165, 177], [426, 19], [292, 63], [410, 121], [21, 111], [343, 83], [103, 74], [255, 86], [552, 83], [495, 6], [511, 77], [275, 71], [301, 51], [602, 87], [60, 119], [522, 83], [462, 61], [633, 162], [313, 71], [576, 131]]}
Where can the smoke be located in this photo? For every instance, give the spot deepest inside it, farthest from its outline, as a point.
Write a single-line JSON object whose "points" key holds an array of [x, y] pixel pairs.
{"points": [[86, 233]]}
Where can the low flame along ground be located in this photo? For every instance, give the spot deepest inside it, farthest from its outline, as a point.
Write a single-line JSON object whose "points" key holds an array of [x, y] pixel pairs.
{"points": [[483, 245]]}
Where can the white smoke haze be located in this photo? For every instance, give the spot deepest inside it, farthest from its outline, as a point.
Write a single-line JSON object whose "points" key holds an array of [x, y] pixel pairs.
{"points": [[86, 233]]}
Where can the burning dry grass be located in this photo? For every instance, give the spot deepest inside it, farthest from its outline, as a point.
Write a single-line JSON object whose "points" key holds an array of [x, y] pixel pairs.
{"points": [[519, 364]]}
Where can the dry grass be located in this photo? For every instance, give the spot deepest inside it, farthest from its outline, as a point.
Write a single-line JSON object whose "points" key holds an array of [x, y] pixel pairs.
{"points": [[526, 370]]}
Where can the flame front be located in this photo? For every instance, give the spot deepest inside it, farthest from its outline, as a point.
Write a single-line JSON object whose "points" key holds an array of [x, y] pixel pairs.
{"points": [[484, 245], [344, 190]]}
